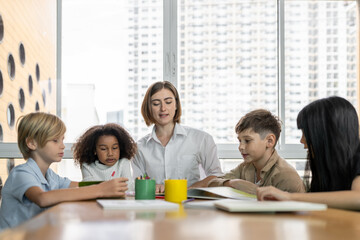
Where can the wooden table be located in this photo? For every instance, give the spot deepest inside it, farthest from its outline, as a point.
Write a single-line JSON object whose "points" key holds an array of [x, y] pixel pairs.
{"points": [[87, 220]]}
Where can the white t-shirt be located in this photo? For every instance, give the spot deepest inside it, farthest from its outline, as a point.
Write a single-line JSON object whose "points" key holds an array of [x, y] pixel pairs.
{"points": [[97, 171], [187, 149]]}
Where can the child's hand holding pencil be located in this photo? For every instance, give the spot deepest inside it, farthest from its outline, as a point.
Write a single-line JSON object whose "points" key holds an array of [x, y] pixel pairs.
{"points": [[113, 188]]}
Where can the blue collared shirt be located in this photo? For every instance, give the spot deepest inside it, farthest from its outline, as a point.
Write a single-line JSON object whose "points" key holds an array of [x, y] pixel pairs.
{"points": [[16, 207]]}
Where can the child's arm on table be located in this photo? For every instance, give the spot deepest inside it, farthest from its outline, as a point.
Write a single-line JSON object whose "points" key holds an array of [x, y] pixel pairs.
{"points": [[113, 188], [242, 185], [220, 181], [349, 199], [74, 185], [202, 183]]}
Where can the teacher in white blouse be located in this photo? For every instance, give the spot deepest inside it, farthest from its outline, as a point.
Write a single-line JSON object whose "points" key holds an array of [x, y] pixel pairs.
{"points": [[173, 151]]}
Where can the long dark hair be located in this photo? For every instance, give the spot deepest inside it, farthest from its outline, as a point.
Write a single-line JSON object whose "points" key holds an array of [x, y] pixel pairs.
{"points": [[331, 130]]}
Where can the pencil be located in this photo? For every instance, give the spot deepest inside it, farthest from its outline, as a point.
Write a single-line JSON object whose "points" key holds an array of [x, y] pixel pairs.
{"points": [[188, 200]]}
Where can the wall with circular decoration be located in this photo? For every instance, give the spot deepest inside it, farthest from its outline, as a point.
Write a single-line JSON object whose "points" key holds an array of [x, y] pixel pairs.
{"points": [[27, 63]]}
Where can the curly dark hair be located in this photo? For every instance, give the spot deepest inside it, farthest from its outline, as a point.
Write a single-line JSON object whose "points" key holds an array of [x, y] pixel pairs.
{"points": [[85, 146]]}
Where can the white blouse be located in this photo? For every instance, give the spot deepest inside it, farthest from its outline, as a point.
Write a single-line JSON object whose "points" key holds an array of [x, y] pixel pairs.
{"points": [[99, 172], [187, 150]]}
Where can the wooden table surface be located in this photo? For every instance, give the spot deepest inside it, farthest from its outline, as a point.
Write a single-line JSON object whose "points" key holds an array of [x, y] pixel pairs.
{"points": [[87, 220]]}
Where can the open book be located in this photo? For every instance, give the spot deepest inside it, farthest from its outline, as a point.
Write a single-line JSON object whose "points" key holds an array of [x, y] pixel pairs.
{"points": [[219, 193], [232, 205]]}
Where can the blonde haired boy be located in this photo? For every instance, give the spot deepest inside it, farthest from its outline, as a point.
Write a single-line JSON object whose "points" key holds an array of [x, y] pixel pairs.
{"points": [[33, 186], [258, 132]]}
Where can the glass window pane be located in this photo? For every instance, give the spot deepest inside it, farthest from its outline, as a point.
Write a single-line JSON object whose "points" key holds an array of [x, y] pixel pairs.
{"points": [[227, 62], [111, 52], [321, 55]]}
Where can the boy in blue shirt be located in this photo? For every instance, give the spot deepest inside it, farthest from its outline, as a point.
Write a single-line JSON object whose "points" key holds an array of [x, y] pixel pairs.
{"points": [[31, 187]]}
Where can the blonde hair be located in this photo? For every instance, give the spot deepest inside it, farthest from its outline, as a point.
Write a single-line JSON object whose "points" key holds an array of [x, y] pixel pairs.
{"points": [[146, 104], [40, 127]]}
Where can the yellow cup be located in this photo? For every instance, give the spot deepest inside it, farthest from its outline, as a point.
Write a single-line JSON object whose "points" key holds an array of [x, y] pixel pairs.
{"points": [[175, 190]]}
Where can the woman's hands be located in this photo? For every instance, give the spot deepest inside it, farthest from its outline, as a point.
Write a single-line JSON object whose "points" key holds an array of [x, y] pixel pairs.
{"points": [[160, 188], [272, 193]]}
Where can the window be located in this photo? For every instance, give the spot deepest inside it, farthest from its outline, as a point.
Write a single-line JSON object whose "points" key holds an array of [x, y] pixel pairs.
{"points": [[303, 41], [107, 59], [226, 57], [226, 73], [307, 15]]}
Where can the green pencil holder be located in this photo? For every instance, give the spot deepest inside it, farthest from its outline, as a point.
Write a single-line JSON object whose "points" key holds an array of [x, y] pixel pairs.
{"points": [[145, 189]]}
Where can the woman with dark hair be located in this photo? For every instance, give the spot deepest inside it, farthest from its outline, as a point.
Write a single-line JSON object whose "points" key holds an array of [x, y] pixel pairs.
{"points": [[173, 151], [330, 132]]}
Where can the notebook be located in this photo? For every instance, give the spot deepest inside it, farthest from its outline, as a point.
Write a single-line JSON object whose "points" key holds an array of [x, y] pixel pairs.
{"points": [[201, 204], [109, 204], [219, 193], [232, 205]]}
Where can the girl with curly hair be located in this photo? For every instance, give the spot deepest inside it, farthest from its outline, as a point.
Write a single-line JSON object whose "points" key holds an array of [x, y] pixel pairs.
{"points": [[104, 152]]}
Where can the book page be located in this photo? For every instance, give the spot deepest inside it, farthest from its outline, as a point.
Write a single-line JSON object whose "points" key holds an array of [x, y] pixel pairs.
{"points": [[219, 193], [137, 204]]}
